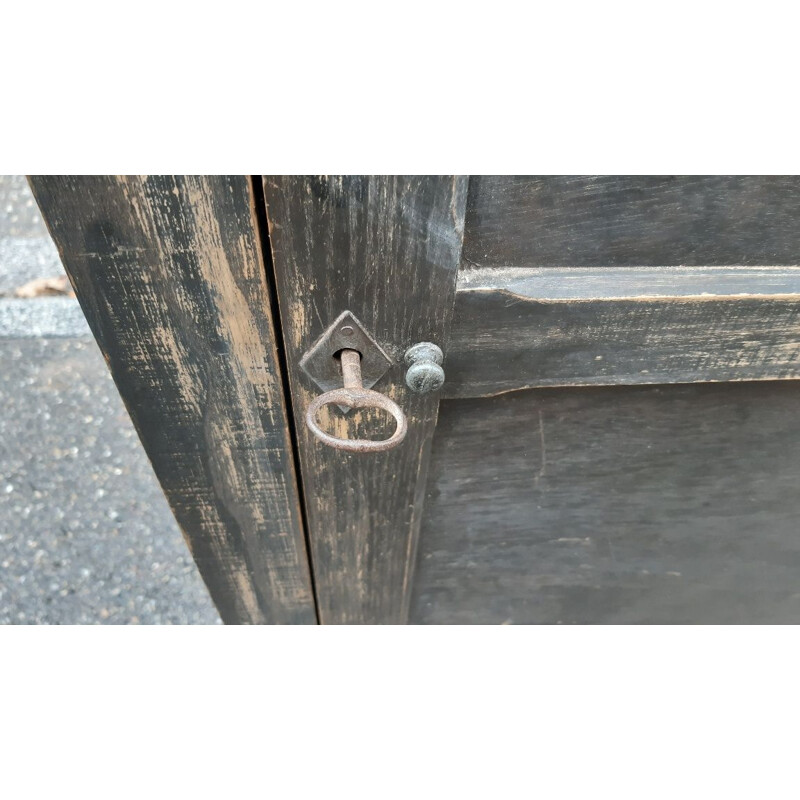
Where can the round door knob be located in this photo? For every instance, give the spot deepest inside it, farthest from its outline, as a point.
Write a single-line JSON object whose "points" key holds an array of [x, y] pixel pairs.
{"points": [[424, 373]]}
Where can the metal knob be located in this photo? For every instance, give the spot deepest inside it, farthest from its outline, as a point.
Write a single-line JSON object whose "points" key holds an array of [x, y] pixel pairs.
{"points": [[354, 395], [424, 371]]}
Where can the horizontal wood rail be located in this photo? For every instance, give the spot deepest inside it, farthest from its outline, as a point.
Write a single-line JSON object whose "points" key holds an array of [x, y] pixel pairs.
{"points": [[518, 327]]}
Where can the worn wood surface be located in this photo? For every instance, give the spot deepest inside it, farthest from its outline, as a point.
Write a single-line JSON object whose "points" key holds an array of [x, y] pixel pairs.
{"points": [[518, 328], [632, 221], [170, 276], [674, 504], [387, 249]]}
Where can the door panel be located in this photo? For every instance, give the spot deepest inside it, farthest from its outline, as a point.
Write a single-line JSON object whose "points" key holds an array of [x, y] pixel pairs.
{"points": [[632, 221], [614, 505]]}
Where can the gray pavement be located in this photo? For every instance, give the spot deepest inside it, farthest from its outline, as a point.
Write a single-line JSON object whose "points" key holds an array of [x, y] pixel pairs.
{"points": [[26, 249], [86, 535]]}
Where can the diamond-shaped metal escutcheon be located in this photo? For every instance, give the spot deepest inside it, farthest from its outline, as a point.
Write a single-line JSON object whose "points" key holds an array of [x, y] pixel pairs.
{"points": [[346, 333]]}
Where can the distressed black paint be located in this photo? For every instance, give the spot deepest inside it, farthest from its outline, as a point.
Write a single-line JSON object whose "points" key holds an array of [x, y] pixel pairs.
{"points": [[169, 274], [632, 221], [644, 504], [387, 249]]}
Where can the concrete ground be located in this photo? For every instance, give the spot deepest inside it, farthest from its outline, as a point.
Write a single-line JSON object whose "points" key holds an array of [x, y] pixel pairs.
{"points": [[86, 535]]}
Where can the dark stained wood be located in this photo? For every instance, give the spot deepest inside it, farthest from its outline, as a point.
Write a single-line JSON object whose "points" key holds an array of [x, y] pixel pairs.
{"points": [[597, 503], [632, 221], [518, 328], [675, 504], [387, 249], [170, 276]]}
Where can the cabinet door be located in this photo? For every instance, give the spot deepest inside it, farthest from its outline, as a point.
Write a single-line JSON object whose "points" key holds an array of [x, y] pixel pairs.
{"points": [[385, 249], [616, 439], [170, 274]]}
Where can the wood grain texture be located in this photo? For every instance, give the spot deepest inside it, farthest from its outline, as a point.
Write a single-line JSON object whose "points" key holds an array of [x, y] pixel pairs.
{"points": [[632, 221], [170, 276], [387, 249], [674, 504], [519, 328]]}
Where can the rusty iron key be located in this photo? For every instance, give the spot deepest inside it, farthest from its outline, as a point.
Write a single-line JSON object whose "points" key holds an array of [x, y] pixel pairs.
{"points": [[354, 395]]}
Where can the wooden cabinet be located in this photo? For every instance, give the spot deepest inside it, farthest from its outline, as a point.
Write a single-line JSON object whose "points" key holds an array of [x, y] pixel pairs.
{"points": [[615, 440]]}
